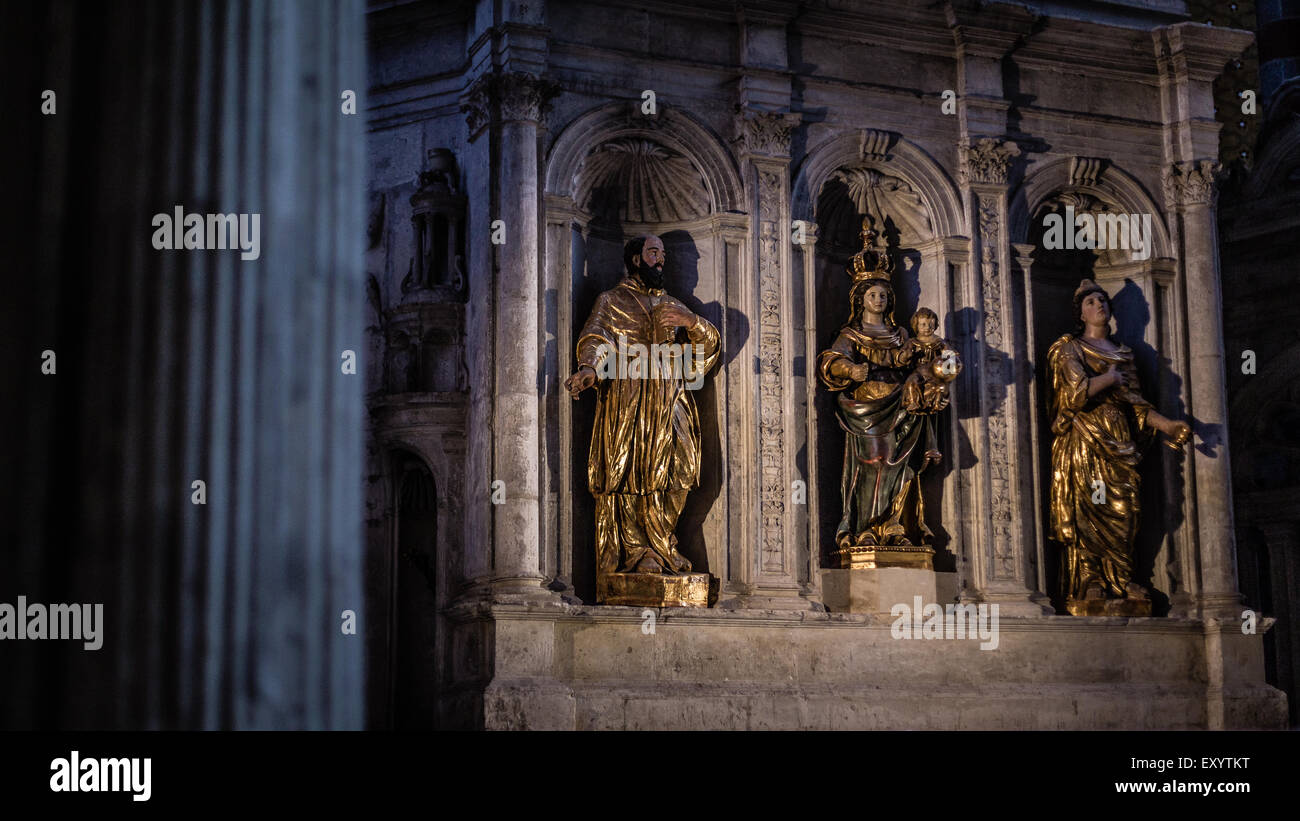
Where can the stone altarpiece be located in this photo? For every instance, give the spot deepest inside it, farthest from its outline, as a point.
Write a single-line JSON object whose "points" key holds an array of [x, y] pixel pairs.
{"points": [[758, 182]]}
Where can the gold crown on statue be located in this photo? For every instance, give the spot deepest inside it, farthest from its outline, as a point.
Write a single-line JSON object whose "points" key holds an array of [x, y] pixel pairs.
{"points": [[871, 262]]}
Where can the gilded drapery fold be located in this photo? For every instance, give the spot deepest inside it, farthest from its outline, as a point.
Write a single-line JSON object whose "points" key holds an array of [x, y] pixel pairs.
{"points": [[645, 445], [1097, 440]]}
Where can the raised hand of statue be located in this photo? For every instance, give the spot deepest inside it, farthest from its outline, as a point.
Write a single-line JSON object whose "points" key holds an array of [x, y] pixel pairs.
{"points": [[580, 381], [671, 315]]}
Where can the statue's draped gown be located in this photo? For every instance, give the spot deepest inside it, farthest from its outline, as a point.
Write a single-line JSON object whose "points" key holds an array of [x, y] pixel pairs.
{"points": [[880, 485], [645, 444], [1095, 441]]}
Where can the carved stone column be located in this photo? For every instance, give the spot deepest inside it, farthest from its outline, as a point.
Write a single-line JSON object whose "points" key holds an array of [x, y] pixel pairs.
{"points": [[1190, 194], [1002, 551], [504, 110], [775, 565], [193, 463]]}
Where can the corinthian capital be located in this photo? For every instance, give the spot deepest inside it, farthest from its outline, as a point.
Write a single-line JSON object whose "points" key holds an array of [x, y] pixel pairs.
{"points": [[765, 132], [1191, 183], [987, 161], [509, 96]]}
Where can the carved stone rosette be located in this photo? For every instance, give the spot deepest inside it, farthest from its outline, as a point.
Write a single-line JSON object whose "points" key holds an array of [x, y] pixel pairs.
{"points": [[1191, 183], [513, 96]]}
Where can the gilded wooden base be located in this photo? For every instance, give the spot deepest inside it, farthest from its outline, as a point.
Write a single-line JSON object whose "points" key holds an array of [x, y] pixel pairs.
{"points": [[861, 557], [1130, 608], [653, 589]]}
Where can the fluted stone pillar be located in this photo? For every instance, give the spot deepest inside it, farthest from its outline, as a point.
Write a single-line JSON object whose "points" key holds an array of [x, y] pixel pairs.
{"points": [[1190, 197], [223, 603], [504, 110]]}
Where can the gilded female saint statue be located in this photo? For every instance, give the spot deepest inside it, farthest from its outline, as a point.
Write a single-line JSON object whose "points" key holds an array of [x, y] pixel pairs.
{"points": [[1101, 424]]}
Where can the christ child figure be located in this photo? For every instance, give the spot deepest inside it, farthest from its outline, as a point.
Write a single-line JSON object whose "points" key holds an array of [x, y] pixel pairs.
{"points": [[935, 364]]}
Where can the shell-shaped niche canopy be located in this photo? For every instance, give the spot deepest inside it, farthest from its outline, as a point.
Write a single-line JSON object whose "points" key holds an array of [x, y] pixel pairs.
{"points": [[635, 180], [852, 192]]}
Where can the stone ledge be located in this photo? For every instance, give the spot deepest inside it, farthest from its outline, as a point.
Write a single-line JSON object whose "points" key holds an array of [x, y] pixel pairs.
{"points": [[566, 666]]}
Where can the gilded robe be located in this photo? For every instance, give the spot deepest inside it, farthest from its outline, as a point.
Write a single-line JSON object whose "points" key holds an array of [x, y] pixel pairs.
{"points": [[645, 443], [1096, 439], [880, 486]]}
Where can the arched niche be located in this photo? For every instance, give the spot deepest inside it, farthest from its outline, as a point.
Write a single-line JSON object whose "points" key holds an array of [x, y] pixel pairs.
{"points": [[612, 174], [918, 214], [1146, 309], [409, 574], [414, 605]]}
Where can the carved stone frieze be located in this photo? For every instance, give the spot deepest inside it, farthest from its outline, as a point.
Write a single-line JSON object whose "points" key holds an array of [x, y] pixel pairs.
{"points": [[772, 491], [995, 386]]}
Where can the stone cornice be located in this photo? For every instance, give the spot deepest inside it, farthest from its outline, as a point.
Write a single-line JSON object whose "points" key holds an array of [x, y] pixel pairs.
{"points": [[1192, 51]]}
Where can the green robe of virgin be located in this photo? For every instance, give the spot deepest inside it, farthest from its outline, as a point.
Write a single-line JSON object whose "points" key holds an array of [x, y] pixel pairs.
{"points": [[880, 486]]}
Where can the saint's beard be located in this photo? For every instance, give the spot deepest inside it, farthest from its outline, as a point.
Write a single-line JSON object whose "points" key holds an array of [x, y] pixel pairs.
{"points": [[651, 277]]}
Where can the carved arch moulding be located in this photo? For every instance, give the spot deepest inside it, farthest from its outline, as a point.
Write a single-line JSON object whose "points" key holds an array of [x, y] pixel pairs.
{"points": [[1085, 182], [888, 154], [669, 134]]}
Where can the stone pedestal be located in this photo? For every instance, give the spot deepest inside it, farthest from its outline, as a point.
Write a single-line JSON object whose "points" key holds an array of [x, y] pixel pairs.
{"points": [[1108, 607], [653, 589], [879, 589]]}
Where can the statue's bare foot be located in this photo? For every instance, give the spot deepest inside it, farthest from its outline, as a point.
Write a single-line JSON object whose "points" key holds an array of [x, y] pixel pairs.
{"points": [[1136, 592], [1094, 592]]}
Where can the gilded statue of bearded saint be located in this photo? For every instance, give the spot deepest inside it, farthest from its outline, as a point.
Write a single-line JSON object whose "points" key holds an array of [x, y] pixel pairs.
{"points": [[1101, 423], [645, 442]]}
